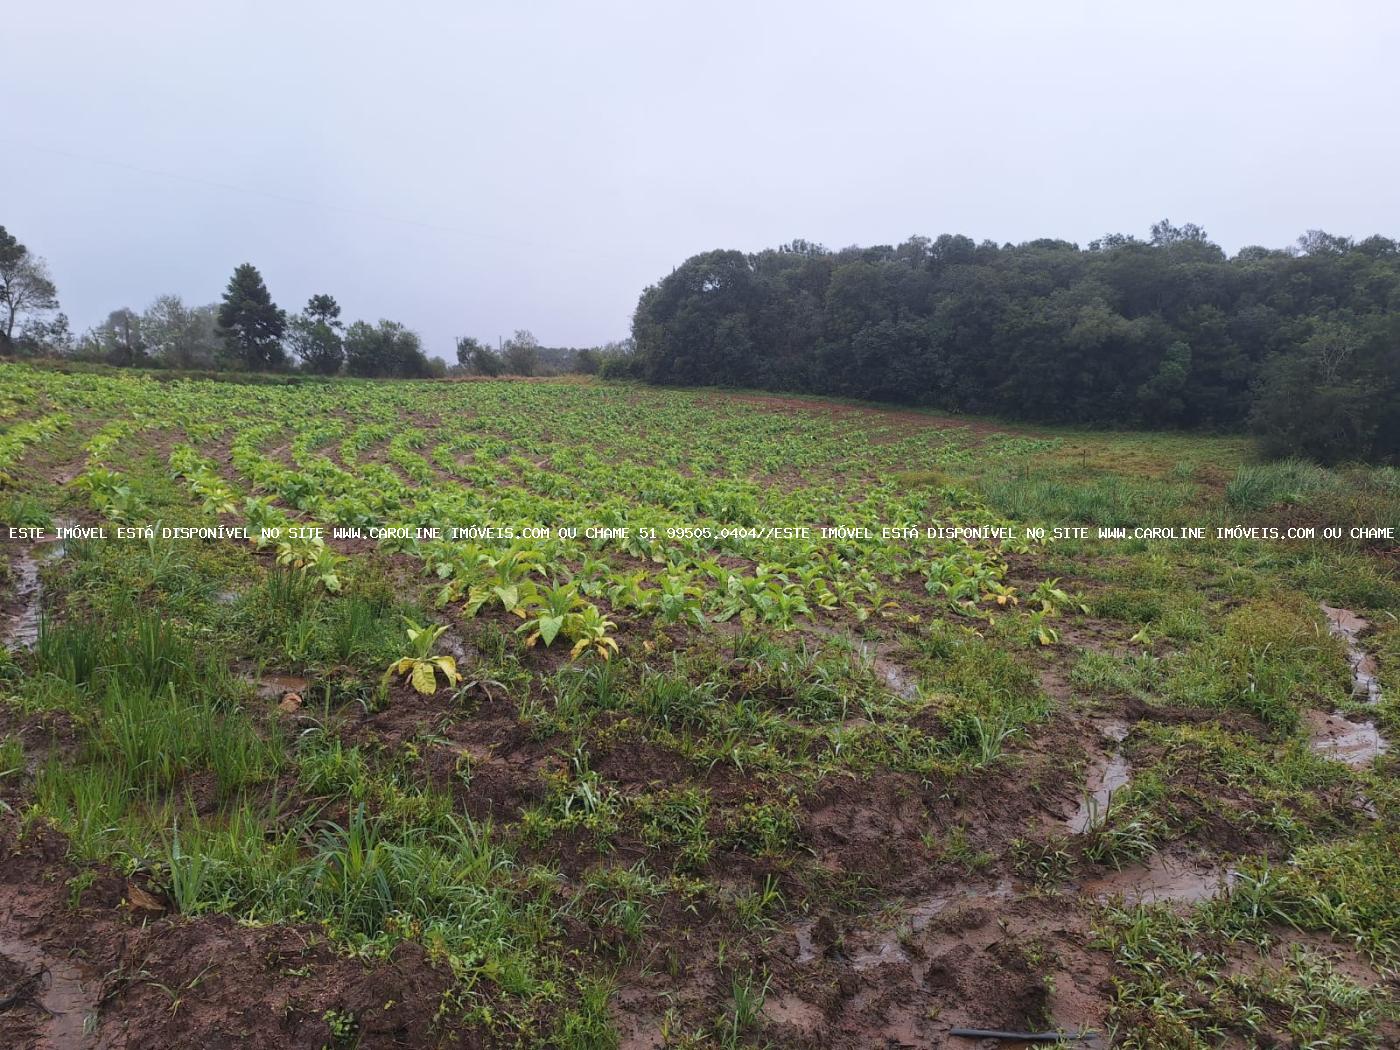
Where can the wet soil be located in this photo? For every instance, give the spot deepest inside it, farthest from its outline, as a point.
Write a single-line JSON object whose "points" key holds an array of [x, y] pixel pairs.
{"points": [[1353, 741], [1349, 627], [1162, 878], [926, 948], [1108, 773], [1343, 740], [19, 626], [60, 992], [981, 954], [110, 975]]}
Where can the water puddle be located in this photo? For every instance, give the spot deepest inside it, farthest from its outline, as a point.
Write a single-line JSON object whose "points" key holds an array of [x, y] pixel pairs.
{"points": [[806, 946], [886, 946], [1108, 774], [1355, 743], [22, 629], [69, 999], [897, 680], [1161, 879], [1342, 740], [1346, 625]]}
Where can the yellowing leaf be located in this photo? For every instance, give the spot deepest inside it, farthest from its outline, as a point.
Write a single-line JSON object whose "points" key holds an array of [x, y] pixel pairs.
{"points": [[448, 666], [424, 677]]}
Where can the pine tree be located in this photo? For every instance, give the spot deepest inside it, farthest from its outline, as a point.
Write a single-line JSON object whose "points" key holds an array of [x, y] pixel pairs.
{"points": [[250, 323]]}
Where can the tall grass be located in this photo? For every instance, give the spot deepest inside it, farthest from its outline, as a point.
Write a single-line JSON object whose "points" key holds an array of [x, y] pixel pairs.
{"points": [[158, 713], [1106, 500], [73, 652], [1272, 658], [370, 879], [1258, 487]]}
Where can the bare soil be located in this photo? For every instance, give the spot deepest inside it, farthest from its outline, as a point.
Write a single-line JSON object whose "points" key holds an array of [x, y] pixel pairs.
{"points": [[112, 974]]}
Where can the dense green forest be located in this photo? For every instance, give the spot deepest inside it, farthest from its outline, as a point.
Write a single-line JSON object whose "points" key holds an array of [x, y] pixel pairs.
{"points": [[1303, 344]]}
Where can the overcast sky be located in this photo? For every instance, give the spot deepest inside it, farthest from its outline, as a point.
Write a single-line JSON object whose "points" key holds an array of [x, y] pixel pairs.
{"points": [[472, 168]]}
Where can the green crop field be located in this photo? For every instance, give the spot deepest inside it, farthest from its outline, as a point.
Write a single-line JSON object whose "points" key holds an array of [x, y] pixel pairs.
{"points": [[706, 727]]}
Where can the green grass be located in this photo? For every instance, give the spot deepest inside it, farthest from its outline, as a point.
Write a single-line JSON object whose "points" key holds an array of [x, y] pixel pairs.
{"points": [[1174, 994], [1258, 487], [1271, 659], [1109, 501], [748, 759]]}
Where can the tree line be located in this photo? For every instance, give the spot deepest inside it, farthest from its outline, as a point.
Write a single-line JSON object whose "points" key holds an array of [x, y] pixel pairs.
{"points": [[248, 331], [1302, 343], [523, 355]]}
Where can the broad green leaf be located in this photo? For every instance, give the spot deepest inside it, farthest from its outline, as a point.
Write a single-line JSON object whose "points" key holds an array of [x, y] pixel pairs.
{"points": [[549, 628]]}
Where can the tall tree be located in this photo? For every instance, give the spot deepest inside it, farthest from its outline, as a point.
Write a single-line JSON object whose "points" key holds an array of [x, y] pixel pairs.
{"points": [[383, 350], [521, 354], [250, 323], [476, 356], [315, 336], [180, 336], [323, 308], [120, 340], [26, 289]]}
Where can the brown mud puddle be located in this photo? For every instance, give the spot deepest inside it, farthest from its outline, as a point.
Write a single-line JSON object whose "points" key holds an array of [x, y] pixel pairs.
{"points": [[1108, 774], [896, 679], [1346, 625], [1161, 879], [953, 958], [868, 949], [1353, 742], [1342, 740], [66, 996], [21, 627]]}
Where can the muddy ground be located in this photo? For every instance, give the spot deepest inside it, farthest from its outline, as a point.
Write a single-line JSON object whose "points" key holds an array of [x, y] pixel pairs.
{"points": [[886, 936]]}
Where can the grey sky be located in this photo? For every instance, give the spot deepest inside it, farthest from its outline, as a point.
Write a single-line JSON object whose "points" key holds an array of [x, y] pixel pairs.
{"points": [[473, 168]]}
